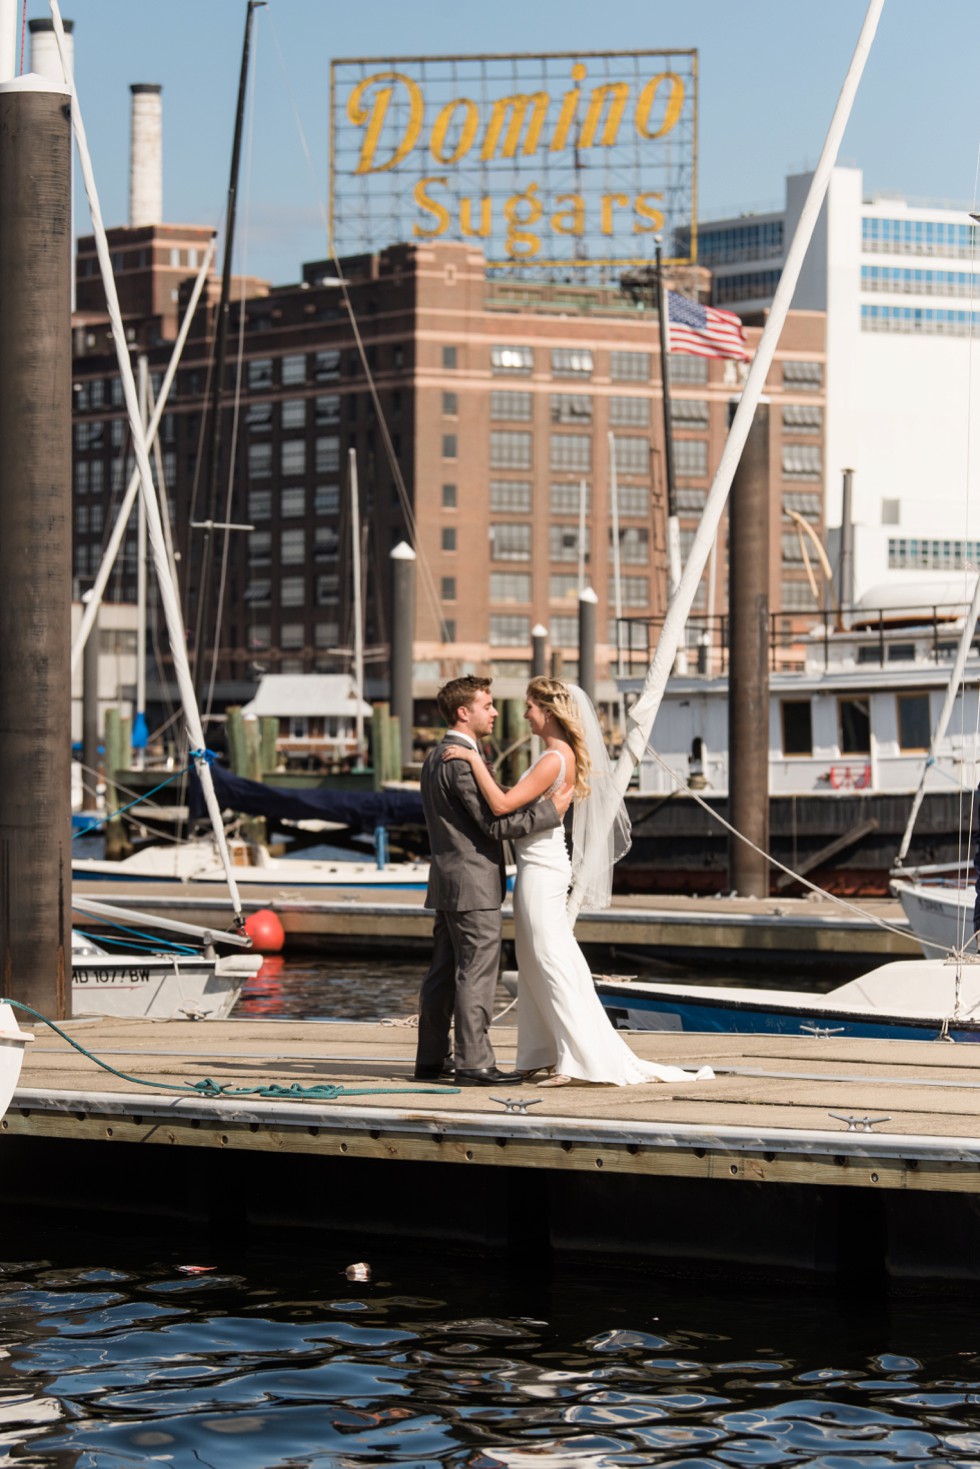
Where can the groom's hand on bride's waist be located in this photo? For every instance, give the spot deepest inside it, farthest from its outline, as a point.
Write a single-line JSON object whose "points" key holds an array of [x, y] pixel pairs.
{"points": [[562, 802]]}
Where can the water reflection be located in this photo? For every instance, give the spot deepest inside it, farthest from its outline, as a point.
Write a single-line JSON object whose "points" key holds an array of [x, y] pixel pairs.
{"points": [[110, 1355]]}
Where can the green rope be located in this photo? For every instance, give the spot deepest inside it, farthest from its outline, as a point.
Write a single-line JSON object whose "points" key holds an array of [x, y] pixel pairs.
{"points": [[326, 1092]]}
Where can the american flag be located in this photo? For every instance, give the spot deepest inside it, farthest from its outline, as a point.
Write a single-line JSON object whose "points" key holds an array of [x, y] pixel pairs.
{"points": [[702, 330]]}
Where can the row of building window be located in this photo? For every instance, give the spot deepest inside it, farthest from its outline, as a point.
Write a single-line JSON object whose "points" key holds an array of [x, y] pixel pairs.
{"points": [[932, 321], [518, 407], [513, 630], [514, 448], [724, 244], [512, 541], [920, 554], [917, 236], [911, 282], [747, 285]]}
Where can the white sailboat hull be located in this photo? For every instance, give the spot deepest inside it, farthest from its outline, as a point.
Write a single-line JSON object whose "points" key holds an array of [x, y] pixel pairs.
{"points": [[160, 986], [940, 917], [13, 1040]]}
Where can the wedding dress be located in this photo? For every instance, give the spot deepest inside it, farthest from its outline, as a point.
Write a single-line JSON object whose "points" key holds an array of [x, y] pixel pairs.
{"points": [[562, 1022]]}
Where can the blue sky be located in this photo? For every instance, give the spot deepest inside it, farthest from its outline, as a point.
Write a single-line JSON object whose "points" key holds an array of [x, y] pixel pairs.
{"points": [[770, 72]]}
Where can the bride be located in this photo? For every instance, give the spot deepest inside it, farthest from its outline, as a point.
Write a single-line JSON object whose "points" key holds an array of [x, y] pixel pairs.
{"points": [[562, 1026]]}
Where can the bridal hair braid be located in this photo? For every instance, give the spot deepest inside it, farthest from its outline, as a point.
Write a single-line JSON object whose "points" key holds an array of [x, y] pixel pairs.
{"points": [[551, 695]]}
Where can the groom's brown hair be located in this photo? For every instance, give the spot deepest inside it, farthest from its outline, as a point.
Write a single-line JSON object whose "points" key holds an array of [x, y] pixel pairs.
{"points": [[458, 692]]}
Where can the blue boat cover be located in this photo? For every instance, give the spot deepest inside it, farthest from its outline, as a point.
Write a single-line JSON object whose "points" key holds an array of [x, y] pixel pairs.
{"points": [[363, 810]]}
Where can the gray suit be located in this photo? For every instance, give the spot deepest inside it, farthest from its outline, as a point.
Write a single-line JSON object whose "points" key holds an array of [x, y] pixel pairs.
{"points": [[467, 884]]}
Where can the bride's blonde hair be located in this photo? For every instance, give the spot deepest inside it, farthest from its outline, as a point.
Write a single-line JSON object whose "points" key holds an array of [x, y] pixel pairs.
{"points": [[551, 695]]}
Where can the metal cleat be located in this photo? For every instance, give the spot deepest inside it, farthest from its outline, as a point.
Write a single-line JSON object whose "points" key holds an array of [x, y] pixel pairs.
{"points": [[518, 1104], [858, 1124], [821, 1031]]}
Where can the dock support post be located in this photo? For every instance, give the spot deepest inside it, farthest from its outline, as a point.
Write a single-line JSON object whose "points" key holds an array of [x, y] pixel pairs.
{"points": [[587, 606], [748, 707], [402, 642], [539, 651], [35, 532]]}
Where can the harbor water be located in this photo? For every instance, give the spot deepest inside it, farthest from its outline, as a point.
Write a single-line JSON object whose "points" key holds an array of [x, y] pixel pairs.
{"points": [[132, 1346]]}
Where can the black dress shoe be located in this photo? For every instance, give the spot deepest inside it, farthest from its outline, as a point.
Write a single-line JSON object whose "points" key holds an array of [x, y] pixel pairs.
{"points": [[489, 1076], [442, 1072]]}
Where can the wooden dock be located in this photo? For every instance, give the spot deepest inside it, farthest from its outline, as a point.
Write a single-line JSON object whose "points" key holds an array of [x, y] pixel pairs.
{"points": [[840, 1156], [810, 932]]}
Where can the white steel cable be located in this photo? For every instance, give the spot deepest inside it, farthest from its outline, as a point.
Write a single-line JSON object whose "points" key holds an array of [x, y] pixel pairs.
{"points": [[168, 592]]}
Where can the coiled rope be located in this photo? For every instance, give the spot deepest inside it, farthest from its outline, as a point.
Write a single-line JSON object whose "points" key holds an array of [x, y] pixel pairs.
{"points": [[323, 1092]]}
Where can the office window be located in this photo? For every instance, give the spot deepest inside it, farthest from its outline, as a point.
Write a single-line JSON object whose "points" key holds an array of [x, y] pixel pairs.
{"points": [[259, 461], [634, 500], [514, 406], [260, 548], [292, 503], [564, 632], [634, 545], [292, 590], [327, 588], [563, 542], [629, 367], [510, 542], [449, 497], [449, 358], [690, 458], [571, 362], [448, 592], [449, 629], [292, 547], [562, 587], [326, 544], [854, 719], [632, 455], [293, 456], [259, 372], [81, 520], [328, 409], [326, 634], [449, 446], [914, 723], [328, 454], [511, 494], [802, 461], [683, 368], [634, 592], [294, 369], [571, 408], [118, 433], [259, 592], [511, 361], [450, 404], [80, 474], [510, 449], [509, 629], [808, 503], [797, 724], [292, 635], [629, 412], [792, 549], [326, 499], [258, 638], [510, 586], [292, 413], [803, 376], [689, 412], [566, 499], [326, 365], [802, 418], [449, 538], [890, 512], [258, 417], [571, 451]]}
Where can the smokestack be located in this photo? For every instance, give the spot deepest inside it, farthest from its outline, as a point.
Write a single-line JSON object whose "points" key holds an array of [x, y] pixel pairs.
{"points": [[45, 60], [146, 155]]}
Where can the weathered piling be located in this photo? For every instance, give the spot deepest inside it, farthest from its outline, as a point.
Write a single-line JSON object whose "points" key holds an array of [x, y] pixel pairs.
{"points": [[748, 708], [587, 607], [402, 638], [35, 532]]}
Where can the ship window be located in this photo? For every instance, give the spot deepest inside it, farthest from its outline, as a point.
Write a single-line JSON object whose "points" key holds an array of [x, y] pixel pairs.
{"points": [[855, 726], [913, 721], [797, 726]]}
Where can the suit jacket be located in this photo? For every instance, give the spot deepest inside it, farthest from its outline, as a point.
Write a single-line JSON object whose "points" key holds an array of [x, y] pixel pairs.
{"points": [[466, 868]]}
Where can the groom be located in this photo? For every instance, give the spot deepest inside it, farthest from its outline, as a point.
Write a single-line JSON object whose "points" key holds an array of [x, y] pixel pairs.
{"points": [[466, 888]]}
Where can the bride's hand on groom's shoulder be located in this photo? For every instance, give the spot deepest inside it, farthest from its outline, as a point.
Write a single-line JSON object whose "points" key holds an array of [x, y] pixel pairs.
{"points": [[458, 752]]}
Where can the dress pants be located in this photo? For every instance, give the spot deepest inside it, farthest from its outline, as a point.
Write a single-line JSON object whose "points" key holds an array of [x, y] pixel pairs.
{"points": [[460, 984]]}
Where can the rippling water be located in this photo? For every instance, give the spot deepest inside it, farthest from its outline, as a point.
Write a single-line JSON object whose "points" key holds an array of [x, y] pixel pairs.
{"points": [[197, 1350]]}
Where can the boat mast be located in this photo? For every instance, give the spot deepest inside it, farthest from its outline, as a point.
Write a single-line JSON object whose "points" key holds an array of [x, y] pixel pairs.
{"points": [[355, 540], [213, 455]]}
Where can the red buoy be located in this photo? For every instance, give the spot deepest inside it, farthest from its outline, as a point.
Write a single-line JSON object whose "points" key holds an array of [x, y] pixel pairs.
{"points": [[265, 931]]}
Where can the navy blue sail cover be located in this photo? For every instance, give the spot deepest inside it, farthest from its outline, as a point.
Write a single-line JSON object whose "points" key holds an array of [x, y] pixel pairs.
{"points": [[363, 810]]}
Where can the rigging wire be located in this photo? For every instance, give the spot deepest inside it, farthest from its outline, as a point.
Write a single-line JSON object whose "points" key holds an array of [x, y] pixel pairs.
{"points": [[428, 579]]}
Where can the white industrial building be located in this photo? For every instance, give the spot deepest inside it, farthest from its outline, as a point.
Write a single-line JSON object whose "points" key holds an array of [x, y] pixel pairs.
{"points": [[897, 283]]}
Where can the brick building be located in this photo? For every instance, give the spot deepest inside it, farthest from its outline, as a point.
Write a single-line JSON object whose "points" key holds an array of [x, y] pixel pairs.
{"points": [[497, 397]]}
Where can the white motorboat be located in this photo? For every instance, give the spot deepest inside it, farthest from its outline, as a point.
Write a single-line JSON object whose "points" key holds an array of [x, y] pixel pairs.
{"points": [[12, 1043], [940, 912]]}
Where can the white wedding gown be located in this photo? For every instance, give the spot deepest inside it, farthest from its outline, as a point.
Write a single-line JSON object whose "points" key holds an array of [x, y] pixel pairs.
{"points": [[561, 1020]]}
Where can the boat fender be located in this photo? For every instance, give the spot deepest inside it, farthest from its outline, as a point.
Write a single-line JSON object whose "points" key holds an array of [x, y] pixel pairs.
{"points": [[265, 930]]}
